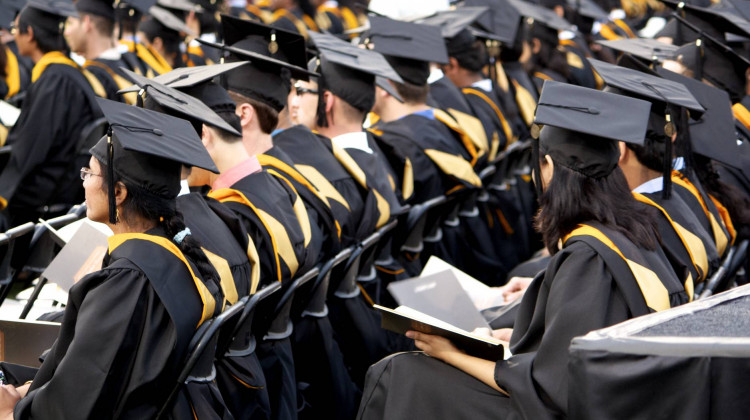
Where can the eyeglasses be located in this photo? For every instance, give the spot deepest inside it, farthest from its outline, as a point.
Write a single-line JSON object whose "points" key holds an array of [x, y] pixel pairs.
{"points": [[86, 173], [13, 29], [301, 90]]}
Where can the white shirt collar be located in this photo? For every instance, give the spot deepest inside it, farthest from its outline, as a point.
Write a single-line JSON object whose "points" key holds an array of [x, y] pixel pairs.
{"points": [[653, 186], [484, 84], [356, 140], [111, 54]]}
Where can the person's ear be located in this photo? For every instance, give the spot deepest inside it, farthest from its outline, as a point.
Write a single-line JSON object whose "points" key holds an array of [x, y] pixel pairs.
{"points": [[121, 193], [452, 63], [536, 45], [206, 137], [329, 100], [246, 113], [158, 44], [624, 152]]}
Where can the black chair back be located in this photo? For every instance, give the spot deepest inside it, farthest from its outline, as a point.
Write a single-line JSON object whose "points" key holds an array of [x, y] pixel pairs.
{"points": [[8, 248]]}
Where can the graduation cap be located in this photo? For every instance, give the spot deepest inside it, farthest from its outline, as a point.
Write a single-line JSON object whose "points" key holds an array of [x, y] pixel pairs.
{"points": [[348, 72], [148, 149], [172, 101], [408, 47], [588, 9], [169, 22], [180, 5], [49, 15], [712, 20], [648, 87], [716, 62], [581, 128], [541, 15], [648, 50], [713, 134], [451, 22], [189, 76], [8, 11], [103, 8], [275, 55], [664, 96], [502, 20]]}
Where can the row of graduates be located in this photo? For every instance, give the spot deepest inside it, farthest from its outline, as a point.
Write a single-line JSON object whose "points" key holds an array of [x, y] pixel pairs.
{"points": [[283, 222], [642, 191], [350, 160]]}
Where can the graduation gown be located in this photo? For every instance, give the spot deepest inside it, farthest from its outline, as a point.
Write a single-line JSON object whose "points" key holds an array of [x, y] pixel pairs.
{"points": [[325, 234], [147, 302], [487, 107], [143, 59], [523, 89], [17, 76], [590, 284], [312, 159], [43, 166], [446, 96], [110, 75]]}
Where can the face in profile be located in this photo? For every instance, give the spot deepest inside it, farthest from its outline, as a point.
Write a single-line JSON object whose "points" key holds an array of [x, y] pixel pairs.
{"points": [[304, 104], [97, 208]]}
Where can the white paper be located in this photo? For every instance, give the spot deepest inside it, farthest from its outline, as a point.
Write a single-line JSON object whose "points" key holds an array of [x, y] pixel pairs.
{"points": [[9, 114], [482, 295]]}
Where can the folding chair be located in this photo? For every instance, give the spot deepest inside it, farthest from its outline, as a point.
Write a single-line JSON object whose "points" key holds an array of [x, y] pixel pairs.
{"points": [[199, 361], [720, 280], [314, 301], [8, 241]]}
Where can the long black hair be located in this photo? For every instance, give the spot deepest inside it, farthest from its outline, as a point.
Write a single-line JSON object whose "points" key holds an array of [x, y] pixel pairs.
{"points": [[572, 198], [163, 211], [731, 197]]}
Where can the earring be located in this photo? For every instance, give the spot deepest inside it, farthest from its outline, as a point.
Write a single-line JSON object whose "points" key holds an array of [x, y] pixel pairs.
{"points": [[117, 216]]}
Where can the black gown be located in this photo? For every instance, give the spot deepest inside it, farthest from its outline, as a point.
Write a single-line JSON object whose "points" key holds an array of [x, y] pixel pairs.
{"points": [[220, 232], [44, 164], [110, 75], [313, 160], [147, 303], [587, 285]]}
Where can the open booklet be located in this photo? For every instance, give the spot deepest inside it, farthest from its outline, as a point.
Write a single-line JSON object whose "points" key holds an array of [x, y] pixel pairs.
{"points": [[403, 319], [481, 295]]}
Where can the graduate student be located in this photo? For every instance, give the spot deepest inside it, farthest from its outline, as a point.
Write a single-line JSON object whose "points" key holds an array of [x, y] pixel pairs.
{"points": [[141, 58], [346, 93], [91, 35], [155, 288], [606, 267], [14, 73], [40, 177]]}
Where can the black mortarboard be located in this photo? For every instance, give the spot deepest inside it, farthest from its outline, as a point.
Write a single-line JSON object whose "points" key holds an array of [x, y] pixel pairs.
{"points": [[716, 62], [8, 11], [169, 21], [451, 22], [649, 50], [401, 39], [180, 5], [103, 8], [275, 55], [589, 9], [148, 149], [539, 14], [712, 20], [49, 15], [713, 135], [408, 47], [189, 76], [349, 72], [582, 127], [159, 97], [648, 87], [592, 112], [664, 96], [502, 20]]}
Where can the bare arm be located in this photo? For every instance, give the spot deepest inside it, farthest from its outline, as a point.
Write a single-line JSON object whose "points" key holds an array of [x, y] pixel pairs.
{"points": [[442, 348]]}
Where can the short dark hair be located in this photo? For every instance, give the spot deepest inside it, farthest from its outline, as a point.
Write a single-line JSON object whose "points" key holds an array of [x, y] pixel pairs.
{"points": [[268, 118], [474, 58], [46, 41], [573, 198], [412, 94], [103, 26]]}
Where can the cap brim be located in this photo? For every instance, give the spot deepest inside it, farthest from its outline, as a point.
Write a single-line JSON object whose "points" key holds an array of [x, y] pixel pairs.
{"points": [[345, 54], [182, 77]]}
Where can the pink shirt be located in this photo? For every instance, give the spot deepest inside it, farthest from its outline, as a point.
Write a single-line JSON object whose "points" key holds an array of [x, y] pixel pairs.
{"points": [[236, 173]]}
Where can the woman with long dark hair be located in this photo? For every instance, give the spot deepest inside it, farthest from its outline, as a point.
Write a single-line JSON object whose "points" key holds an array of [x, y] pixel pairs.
{"points": [[606, 268], [126, 329]]}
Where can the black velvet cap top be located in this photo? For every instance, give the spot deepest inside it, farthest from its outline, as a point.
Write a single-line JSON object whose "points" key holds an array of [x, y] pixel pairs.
{"points": [[49, 15], [502, 20], [649, 50], [148, 149], [103, 8]]}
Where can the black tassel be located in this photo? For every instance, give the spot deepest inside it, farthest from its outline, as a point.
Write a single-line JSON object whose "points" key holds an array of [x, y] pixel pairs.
{"points": [[321, 116], [666, 191], [111, 173], [536, 168]]}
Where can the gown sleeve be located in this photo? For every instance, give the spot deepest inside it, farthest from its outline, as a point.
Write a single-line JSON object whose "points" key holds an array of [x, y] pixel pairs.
{"points": [[576, 295], [115, 346]]}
